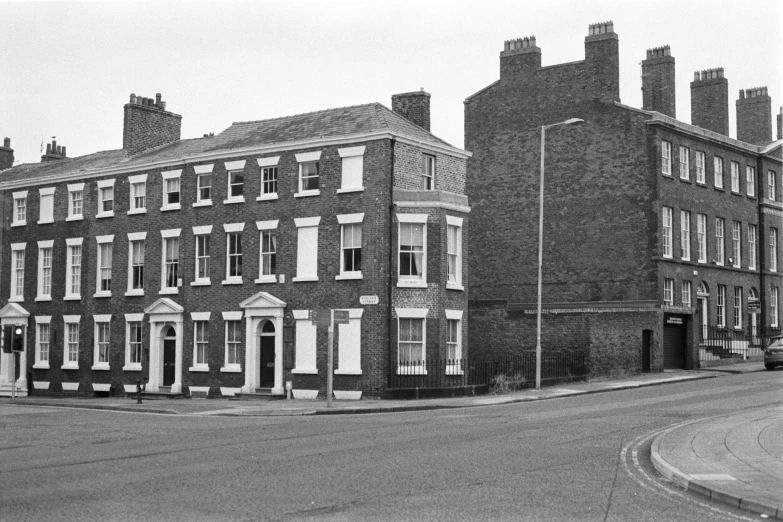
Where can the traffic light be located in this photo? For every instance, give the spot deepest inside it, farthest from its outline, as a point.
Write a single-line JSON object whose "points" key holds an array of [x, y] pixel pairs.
{"points": [[18, 338], [7, 338]]}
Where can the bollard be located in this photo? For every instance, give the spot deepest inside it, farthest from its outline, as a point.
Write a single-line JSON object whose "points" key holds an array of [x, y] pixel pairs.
{"points": [[138, 391]]}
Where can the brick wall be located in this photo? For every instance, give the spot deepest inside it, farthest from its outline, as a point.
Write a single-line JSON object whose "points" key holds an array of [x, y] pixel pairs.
{"points": [[148, 126]]}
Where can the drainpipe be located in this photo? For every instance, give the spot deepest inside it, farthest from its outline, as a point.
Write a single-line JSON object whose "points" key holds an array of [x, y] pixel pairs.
{"points": [[391, 261], [762, 246]]}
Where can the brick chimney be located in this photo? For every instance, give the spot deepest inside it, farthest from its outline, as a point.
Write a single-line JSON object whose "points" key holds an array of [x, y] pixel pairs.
{"points": [[710, 101], [413, 106], [148, 124], [780, 124], [754, 116], [658, 82], [54, 152], [6, 155], [602, 56], [519, 56]]}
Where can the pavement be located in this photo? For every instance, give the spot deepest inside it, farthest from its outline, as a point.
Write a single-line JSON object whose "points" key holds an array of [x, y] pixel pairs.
{"points": [[735, 459]]}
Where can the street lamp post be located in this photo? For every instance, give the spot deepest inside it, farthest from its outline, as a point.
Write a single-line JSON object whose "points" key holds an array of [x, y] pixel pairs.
{"points": [[541, 243]]}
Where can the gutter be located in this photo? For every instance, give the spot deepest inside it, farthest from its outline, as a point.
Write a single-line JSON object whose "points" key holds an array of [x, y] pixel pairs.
{"points": [[391, 263]]}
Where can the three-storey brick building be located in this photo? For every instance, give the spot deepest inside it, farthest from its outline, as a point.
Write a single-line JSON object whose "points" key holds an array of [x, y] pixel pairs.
{"points": [[661, 239], [194, 264]]}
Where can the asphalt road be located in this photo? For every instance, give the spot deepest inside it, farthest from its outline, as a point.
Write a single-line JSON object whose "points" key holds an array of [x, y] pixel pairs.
{"points": [[579, 458]]}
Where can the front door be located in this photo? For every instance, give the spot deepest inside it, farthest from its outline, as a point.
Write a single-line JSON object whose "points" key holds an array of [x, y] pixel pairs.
{"points": [[169, 358], [703, 316], [267, 361]]}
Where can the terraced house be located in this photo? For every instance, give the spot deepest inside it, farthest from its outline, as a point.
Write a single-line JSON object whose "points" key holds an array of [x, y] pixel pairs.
{"points": [[193, 264]]}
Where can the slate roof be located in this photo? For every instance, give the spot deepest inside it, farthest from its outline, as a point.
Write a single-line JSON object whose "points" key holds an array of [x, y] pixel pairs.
{"points": [[330, 123]]}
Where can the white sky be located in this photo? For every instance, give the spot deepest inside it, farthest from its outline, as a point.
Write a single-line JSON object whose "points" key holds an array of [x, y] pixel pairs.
{"points": [[67, 68]]}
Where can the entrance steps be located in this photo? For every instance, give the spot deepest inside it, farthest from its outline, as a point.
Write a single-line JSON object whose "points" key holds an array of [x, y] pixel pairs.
{"points": [[261, 394], [164, 392]]}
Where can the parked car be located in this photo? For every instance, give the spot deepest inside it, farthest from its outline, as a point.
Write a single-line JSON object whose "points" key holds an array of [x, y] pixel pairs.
{"points": [[773, 355]]}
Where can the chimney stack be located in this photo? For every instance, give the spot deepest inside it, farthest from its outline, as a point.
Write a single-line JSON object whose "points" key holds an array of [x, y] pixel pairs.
{"points": [[754, 116], [602, 56], [520, 55], [6, 155], [780, 124], [413, 106], [710, 101], [54, 152], [148, 124], [658, 82]]}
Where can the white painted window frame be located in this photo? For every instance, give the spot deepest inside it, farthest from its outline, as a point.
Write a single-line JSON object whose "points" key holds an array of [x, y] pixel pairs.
{"points": [[737, 308], [686, 293], [454, 366], [773, 249], [232, 168], [269, 226], [73, 190], [202, 231], [200, 171], [354, 157], [720, 241], [166, 177], [17, 272], [750, 181], [133, 182], [301, 159], [103, 319], [229, 229], [720, 304], [701, 176], [735, 177], [132, 237], [229, 317], [773, 307], [685, 163], [103, 240], [668, 291], [717, 172], [105, 184], [18, 197], [701, 237], [264, 164], [349, 355], [129, 319], [736, 244], [200, 317], [69, 320], [41, 320], [70, 271], [349, 220], [413, 313], [453, 221], [301, 225], [46, 197], [753, 235], [42, 295], [407, 281], [667, 235], [305, 357], [666, 158]]}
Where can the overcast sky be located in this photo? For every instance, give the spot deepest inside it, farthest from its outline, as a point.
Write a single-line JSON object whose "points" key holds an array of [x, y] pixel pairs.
{"points": [[67, 68]]}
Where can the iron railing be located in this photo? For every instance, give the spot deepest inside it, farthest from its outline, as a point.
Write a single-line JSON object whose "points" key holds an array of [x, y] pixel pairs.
{"points": [[723, 343]]}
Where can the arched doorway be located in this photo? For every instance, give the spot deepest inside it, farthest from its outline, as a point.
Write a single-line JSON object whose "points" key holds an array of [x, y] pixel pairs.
{"points": [[266, 350], [703, 294], [169, 355], [753, 312]]}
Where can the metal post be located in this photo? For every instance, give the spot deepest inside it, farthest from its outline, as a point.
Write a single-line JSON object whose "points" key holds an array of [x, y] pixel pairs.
{"points": [[13, 381], [330, 360], [138, 391]]}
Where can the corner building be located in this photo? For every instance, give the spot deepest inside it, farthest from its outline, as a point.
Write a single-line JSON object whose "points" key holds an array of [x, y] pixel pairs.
{"points": [[661, 239], [193, 264]]}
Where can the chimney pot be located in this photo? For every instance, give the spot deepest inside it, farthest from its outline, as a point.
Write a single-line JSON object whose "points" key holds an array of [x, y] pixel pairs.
{"points": [[64, 154], [143, 130], [7, 143], [48, 148], [157, 99]]}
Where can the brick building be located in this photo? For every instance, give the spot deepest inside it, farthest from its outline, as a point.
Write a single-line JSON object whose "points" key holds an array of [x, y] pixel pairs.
{"points": [[661, 238], [193, 263]]}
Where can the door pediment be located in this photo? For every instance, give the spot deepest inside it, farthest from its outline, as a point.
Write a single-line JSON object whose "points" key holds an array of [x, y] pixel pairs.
{"points": [[164, 305], [13, 311], [263, 303]]}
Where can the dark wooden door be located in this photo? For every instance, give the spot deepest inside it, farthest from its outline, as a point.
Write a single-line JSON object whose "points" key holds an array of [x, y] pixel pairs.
{"points": [[673, 347], [169, 360], [267, 361]]}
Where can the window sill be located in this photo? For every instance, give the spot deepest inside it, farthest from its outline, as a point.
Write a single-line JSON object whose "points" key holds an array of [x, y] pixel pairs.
{"points": [[231, 201], [303, 279], [134, 293], [41, 366], [49, 222], [202, 203], [73, 218], [231, 369], [201, 282], [19, 224], [411, 370], [297, 371], [686, 180], [76, 297], [667, 257], [135, 211], [454, 371], [168, 291], [266, 279], [196, 369], [411, 284], [349, 190], [100, 215], [665, 175], [307, 193], [267, 197], [69, 367], [102, 294], [347, 372], [133, 367], [232, 282], [43, 298], [686, 259], [454, 286], [348, 276], [103, 367], [16, 299], [166, 208]]}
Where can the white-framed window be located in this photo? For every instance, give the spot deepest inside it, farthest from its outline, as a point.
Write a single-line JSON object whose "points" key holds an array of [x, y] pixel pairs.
{"points": [[203, 240], [737, 307], [412, 250], [133, 346], [136, 248], [75, 202], [305, 349], [200, 341], [701, 237], [233, 253], [350, 246], [773, 249], [17, 272], [752, 239], [685, 235], [735, 177], [349, 344], [750, 181], [666, 158], [268, 168], [233, 342], [169, 270], [668, 291], [203, 185], [45, 270], [685, 163], [104, 264], [20, 209], [267, 257], [667, 232], [686, 294], [73, 277], [454, 253], [46, 210], [427, 172], [307, 249], [352, 169], [720, 245], [105, 198], [138, 194], [71, 344], [736, 236], [101, 341], [309, 173], [42, 341], [772, 186], [453, 342], [773, 307], [721, 306], [411, 341], [718, 171], [700, 175], [235, 191], [171, 190]]}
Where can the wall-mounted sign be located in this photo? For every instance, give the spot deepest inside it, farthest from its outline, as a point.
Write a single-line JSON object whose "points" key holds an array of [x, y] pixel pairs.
{"points": [[754, 306], [368, 300], [674, 320]]}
